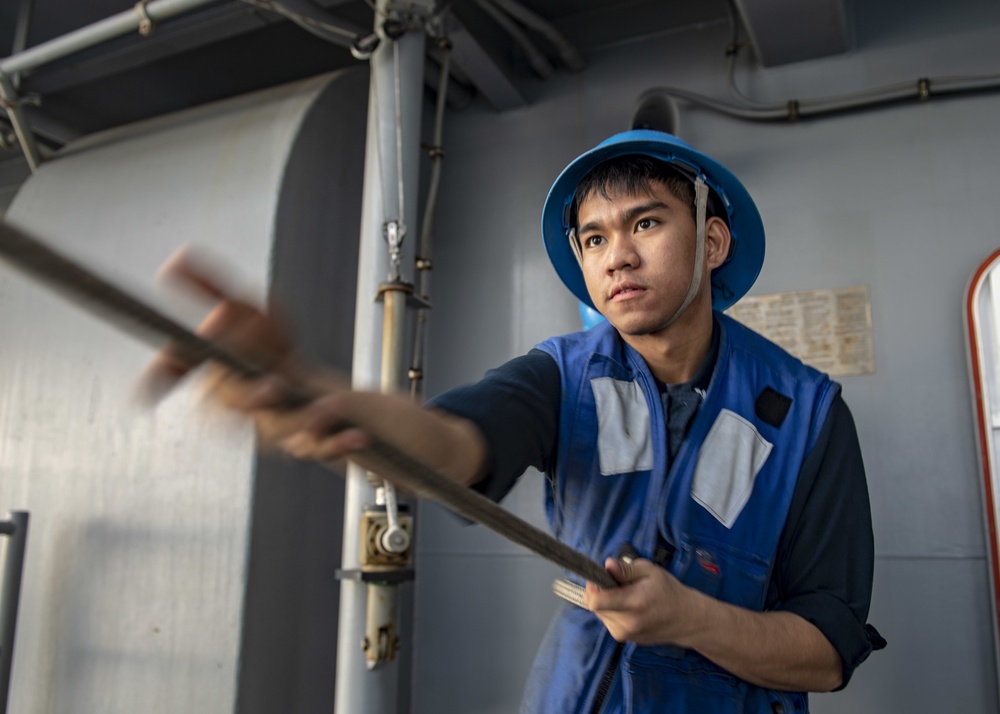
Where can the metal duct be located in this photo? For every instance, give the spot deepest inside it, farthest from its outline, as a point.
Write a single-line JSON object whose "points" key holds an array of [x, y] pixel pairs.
{"points": [[168, 569]]}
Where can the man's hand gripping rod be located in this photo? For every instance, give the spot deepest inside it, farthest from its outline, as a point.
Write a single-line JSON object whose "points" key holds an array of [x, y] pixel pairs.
{"points": [[135, 316]]}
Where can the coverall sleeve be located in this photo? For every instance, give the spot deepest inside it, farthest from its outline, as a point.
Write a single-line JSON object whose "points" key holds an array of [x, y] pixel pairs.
{"points": [[516, 407], [826, 557]]}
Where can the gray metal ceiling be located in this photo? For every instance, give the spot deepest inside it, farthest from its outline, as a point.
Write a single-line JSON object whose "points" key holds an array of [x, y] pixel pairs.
{"points": [[231, 47]]}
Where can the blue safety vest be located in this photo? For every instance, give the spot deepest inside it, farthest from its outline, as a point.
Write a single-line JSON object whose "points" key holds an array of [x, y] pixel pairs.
{"points": [[721, 505]]}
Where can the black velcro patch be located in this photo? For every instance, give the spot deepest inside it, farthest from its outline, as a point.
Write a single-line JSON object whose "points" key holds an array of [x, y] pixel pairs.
{"points": [[772, 407]]}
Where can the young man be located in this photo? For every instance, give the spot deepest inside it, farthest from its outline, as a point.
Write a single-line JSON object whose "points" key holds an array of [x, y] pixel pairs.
{"points": [[730, 470]]}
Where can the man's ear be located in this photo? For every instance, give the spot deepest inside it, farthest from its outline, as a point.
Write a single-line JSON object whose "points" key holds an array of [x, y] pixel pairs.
{"points": [[717, 242]]}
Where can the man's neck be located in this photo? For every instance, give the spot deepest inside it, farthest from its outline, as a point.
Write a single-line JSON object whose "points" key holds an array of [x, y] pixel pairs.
{"points": [[675, 353]]}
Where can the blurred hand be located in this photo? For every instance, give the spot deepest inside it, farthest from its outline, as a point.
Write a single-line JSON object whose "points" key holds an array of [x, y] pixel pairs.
{"points": [[248, 332], [315, 430]]}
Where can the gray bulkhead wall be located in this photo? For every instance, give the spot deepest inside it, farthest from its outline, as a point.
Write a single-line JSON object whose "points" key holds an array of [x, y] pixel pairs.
{"points": [[167, 568], [902, 199]]}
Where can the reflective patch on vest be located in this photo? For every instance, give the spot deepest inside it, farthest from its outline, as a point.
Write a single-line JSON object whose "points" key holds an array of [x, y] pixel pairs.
{"points": [[730, 459], [623, 433]]}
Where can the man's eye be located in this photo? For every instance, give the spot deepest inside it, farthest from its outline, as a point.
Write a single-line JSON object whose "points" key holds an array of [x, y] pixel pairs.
{"points": [[592, 241], [645, 224]]}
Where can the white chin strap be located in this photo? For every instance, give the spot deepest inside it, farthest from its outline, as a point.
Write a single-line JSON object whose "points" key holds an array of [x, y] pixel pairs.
{"points": [[575, 245], [700, 203]]}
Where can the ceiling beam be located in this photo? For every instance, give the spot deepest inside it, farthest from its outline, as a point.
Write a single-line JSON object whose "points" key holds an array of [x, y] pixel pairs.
{"points": [[478, 66], [786, 31]]}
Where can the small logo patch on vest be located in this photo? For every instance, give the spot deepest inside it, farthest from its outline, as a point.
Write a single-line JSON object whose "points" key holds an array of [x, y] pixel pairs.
{"points": [[772, 407]]}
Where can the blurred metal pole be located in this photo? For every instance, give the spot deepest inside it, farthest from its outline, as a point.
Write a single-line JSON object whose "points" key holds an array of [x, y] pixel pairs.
{"points": [[389, 165], [16, 530]]}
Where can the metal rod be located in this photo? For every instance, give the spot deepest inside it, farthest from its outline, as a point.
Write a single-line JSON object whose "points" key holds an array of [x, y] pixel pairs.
{"points": [[124, 309], [10, 596], [18, 119], [101, 31]]}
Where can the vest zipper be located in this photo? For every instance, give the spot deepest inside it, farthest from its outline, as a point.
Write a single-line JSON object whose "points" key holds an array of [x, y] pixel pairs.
{"points": [[609, 676]]}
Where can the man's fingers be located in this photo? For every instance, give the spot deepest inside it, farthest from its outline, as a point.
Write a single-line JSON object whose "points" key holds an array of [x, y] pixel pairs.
{"points": [[159, 378], [192, 270], [620, 569]]}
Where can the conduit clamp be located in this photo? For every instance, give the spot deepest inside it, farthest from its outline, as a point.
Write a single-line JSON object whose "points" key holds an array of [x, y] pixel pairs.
{"points": [[793, 110], [400, 286], [923, 89], [18, 101], [146, 23]]}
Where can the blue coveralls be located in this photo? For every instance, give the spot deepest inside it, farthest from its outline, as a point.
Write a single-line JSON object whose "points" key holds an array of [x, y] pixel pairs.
{"points": [[721, 505]]}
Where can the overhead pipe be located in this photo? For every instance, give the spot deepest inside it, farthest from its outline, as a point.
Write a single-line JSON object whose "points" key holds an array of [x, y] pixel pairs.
{"points": [[920, 89], [316, 20], [141, 17], [94, 34], [538, 61], [567, 52]]}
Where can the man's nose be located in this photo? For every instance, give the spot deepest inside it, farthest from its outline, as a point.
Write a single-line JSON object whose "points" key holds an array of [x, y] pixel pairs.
{"points": [[622, 253]]}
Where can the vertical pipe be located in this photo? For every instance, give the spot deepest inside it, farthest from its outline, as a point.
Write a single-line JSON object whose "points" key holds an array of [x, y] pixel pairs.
{"points": [[16, 530], [393, 330], [359, 690], [423, 262]]}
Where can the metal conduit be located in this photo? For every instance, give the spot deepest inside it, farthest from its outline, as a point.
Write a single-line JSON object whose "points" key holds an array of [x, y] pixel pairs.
{"points": [[101, 31], [423, 262], [921, 90], [116, 25]]}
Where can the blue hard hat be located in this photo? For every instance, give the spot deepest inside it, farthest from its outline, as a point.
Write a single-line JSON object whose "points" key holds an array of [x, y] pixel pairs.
{"points": [[730, 281]]}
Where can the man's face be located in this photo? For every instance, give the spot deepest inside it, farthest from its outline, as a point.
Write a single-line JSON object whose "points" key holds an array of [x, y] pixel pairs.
{"points": [[638, 256]]}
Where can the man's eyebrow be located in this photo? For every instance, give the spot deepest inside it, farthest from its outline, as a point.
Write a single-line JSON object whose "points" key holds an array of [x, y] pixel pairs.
{"points": [[627, 216]]}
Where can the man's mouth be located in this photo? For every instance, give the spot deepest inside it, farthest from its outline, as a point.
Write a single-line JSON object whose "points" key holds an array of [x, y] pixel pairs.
{"points": [[624, 291]]}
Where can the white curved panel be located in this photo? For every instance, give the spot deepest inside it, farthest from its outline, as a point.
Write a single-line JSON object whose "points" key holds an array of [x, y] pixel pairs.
{"points": [[133, 592]]}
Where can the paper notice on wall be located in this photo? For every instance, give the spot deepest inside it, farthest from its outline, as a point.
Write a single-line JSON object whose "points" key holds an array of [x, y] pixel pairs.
{"points": [[828, 329]]}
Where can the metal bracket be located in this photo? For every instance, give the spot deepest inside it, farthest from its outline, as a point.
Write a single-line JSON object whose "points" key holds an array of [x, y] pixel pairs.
{"points": [[412, 299], [375, 549], [13, 104], [146, 23], [384, 577], [394, 232]]}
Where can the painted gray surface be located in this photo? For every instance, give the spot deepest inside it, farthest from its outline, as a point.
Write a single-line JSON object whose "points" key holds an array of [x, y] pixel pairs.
{"points": [[902, 199], [289, 629], [143, 541]]}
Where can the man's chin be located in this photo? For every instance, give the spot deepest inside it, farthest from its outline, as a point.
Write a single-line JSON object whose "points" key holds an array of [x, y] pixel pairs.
{"points": [[637, 328]]}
